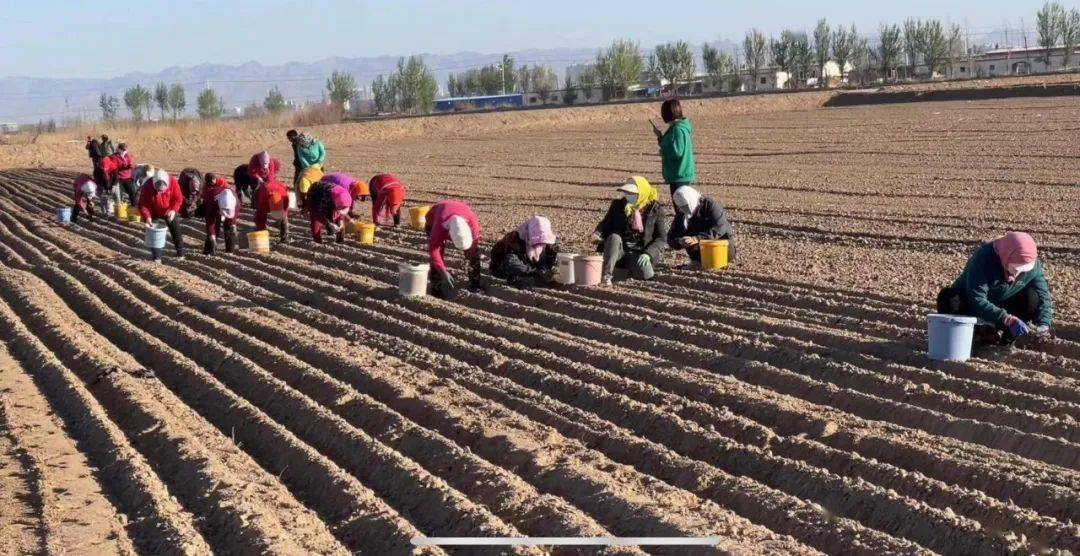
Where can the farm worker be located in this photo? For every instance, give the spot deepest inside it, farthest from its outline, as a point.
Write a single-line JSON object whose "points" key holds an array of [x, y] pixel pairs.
{"points": [[526, 257], [1002, 285], [310, 151], [453, 222], [676, 146], [220, 209], [245, 184], [93, 150], [387, 196], [141, 173], [328, 206], [696, 218], [191, 185], [308, 177], [160, 198], [263, 168], [357, 189], [293, 136], [105, 176], [106, 147], [85, 192], [272, 199], [124, 169], [633, 233]]}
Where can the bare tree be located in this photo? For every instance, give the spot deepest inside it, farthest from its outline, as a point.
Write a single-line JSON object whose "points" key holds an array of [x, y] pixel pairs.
{"points": [[544, 81], [822, 38], [802, 57], [933, 45], [672, 62], [1070, 33], [889, 50], [1049, 22], [756, 53], [843, 46], [912, 41], [717, 64]]}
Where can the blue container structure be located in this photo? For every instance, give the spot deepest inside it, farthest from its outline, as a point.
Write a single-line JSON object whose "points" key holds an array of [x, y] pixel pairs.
{"points": [[63, 216], [454, 104]]}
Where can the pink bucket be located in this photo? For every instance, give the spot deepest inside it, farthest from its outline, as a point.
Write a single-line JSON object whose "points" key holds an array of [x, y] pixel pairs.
{"points": [[588, 269]]}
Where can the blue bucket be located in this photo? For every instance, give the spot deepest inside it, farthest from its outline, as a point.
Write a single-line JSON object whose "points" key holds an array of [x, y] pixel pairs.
{"points": [[63, 216], [949, 337], [155, 237]]}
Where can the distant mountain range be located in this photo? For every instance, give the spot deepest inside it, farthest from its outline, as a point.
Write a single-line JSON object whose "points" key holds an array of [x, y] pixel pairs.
{"points": [[30, 100]]}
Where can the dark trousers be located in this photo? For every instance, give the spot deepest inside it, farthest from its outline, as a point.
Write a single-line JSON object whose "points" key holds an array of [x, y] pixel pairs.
{"points": [[618, 255], [129, 189], [177, 239], [1024, 305], [78, 208]]}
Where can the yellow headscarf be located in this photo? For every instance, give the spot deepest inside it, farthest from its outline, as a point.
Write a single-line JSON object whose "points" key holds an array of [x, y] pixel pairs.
{"points": [[309, 177], [646, 194]]}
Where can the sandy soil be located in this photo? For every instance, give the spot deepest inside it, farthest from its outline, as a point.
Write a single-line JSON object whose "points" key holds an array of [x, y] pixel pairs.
{"points": [[292, 402]]}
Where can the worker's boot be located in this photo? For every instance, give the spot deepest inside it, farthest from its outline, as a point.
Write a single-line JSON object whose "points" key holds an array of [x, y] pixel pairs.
{"points": [[230, 239], [283, 226], [155, 254], [210, 245], [397, 219]]}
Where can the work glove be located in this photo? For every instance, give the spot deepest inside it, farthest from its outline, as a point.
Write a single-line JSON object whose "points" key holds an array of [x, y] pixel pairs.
{"points": [[689, 241], [1042, 329], [170, 215], [333, 228], [644, 260], [1017, 327], [597, 238]]}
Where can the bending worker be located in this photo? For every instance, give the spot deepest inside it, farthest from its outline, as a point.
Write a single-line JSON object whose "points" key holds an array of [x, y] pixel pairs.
{"points": [[191, 185], [272, 199], [221, 211], [262, 168], [1002, 285], [85, 193], [633, 233], [356, 188], [696, 218], [453, 222], [526, 257], [161, 198], [387, 197], [328, 205]]}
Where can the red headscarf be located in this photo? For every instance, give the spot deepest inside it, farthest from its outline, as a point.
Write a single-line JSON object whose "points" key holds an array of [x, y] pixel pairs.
{"points": [[1015, 250]]}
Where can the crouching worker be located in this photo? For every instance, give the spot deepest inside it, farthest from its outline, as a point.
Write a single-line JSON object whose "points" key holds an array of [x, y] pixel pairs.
{"points": [[85, 193], [633, 233], [328, 206], [387, 196], [191, 185], [697, 218], [272, 199], [221, 211], [160, 198], [454, 222], [1002, 285], [526, 257]]}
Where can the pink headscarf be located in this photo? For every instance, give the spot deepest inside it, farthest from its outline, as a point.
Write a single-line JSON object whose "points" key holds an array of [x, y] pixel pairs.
{"points": [[536, 233], [264, 159], [1014, 250], [342, 200]]}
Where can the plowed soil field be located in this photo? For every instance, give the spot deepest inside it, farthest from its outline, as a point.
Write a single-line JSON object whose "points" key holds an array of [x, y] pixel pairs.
{"points": [[293, 403]]}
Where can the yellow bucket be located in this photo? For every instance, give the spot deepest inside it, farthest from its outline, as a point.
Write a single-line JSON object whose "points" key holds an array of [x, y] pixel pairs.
{"points": [[366, 231], [259, 242], [134, 218], [714, 254], [121, 211], [418, 216]]}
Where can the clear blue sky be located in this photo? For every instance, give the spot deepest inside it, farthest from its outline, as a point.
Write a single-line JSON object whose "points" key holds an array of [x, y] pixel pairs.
{"points": [[106, 38]]}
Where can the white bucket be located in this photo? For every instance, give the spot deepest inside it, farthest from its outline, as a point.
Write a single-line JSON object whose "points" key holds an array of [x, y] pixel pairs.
{"points": [[155, 237], [413, 279], [949, 337], [565, 267]]}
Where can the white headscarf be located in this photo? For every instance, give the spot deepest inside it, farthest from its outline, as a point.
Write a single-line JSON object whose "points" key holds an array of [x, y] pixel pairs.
{"points": [[161, 180], [89, 189], [686, 199], [460, 233], [226, 202]]}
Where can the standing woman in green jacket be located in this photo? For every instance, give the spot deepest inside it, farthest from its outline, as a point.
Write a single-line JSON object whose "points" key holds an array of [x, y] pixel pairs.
{"points": [[676, 146], [1003, 286]]}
